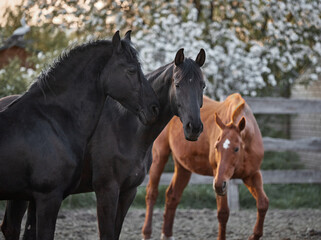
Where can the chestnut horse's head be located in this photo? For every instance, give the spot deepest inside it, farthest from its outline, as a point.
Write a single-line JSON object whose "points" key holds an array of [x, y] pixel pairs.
{"points": [[228, 152]]}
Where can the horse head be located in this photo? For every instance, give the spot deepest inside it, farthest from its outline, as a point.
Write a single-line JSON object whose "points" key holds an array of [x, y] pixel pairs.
{"points": [[228, 152], [187, 92], [132, 89]]}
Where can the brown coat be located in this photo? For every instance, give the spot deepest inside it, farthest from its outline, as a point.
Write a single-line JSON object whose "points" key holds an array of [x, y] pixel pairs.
{"points": [[230, 147]]}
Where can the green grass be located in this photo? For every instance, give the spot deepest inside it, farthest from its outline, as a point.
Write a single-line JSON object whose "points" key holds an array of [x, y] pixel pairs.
{"points": [[286, 196], [80, 201], [194, 196], [282, 196]]}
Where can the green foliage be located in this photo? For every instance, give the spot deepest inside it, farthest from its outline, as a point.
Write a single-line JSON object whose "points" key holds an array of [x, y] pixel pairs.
{"points": [[43, 43], [14, 79], [272, 125], [47, 39], [281, 160]]}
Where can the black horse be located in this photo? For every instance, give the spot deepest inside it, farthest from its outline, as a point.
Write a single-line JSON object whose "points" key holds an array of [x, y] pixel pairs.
{"points": [[44, 133], [119, 154]]}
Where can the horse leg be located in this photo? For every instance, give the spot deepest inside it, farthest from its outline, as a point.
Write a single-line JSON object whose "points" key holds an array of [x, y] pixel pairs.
{"points": [[11, 224], [173, 196], [47, 208], [255, 186], [223, 213], [30, 232], [125, 200], [107, 204], [161, 153]]}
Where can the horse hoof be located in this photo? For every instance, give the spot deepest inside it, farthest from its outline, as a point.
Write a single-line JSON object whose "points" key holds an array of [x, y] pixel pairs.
{"points": [[163, 237]]}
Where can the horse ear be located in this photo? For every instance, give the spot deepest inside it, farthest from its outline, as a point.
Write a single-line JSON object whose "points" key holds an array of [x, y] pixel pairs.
{"points": [[116, 41], [200, 59], [241, 124], [127, 35], [219, 122], [238, 110], [179, 58]]}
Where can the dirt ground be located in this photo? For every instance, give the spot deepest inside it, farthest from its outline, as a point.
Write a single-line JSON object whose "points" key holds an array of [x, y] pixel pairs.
{"points": [[196, 224]]}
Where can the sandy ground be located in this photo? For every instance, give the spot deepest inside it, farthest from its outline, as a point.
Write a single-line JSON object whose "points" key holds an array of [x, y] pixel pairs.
{"points": [[196, 224]]}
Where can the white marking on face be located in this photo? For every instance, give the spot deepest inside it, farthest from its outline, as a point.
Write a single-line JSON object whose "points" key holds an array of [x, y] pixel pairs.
{"points": [[226, 144], [190, 79]]}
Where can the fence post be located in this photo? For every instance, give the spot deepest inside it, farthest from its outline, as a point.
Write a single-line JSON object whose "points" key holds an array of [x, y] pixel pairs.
{"points": [[233, 195]]}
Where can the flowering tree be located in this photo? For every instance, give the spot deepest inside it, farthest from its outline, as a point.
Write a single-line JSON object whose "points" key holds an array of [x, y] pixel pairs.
{"points": [[256, 47], [251, 46]]}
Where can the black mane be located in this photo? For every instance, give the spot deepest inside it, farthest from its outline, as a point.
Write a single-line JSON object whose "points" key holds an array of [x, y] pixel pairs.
{"points": [[47, 75]]}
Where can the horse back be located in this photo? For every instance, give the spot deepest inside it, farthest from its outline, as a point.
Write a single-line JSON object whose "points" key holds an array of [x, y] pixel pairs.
{"points": [[232, 110], [251, 135]]}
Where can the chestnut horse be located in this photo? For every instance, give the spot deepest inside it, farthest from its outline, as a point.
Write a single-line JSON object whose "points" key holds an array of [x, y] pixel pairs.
{"points": [[230, 147]]}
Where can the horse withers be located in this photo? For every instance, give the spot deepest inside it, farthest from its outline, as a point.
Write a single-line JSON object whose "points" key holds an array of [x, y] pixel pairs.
{"points": [[119, 154], [44, 133], [230, 147]]}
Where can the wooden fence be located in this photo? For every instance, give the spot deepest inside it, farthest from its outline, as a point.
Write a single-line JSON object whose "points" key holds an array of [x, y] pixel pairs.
{"points": [[269, 177], [272, 106]]}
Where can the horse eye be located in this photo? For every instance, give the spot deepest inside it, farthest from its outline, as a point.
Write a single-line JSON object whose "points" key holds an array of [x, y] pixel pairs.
{"points": [[176, 85], [236, 149], [131, 71], [204, 85]]}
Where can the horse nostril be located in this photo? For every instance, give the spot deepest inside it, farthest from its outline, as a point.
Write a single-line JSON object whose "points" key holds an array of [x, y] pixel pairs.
{"points": [[223, 186], [189, 125]]}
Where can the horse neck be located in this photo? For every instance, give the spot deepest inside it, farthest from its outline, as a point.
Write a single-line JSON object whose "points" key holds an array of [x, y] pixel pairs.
{"points": [[74, 70], [73, 88]]}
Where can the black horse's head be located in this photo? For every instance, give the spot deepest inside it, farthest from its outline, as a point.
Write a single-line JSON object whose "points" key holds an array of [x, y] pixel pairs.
{"points": [[125, 82], [187, 92]]}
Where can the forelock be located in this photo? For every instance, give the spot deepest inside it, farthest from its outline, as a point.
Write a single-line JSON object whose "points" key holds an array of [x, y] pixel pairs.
{"points": [[130, 50], [189, 69]]}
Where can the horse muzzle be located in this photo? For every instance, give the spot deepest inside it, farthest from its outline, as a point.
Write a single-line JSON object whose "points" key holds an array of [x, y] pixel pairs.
{"points": [[193, 131], [150, 116], [220, 189]]}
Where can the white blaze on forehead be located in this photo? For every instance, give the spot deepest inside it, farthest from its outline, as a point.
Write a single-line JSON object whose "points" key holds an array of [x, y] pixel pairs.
{"points": [[226, 144]]}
